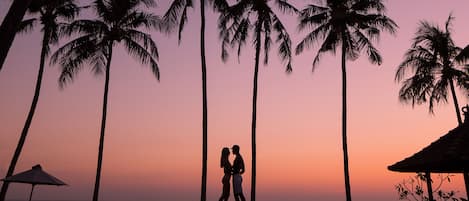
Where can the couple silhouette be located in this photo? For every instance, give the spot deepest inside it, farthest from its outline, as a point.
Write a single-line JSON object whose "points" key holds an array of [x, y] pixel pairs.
{"points": [[237, 169]]}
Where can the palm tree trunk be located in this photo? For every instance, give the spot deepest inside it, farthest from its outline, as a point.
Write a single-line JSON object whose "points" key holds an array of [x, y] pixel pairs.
{"points": [[103, 127], [203, 191], [254, 116], [455, 100], [466, 182], [8, 31], [29, 119], [344, 125]]}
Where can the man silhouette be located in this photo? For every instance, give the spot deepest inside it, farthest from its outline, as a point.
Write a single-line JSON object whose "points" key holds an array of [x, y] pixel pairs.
{"points": [[238, 170]]}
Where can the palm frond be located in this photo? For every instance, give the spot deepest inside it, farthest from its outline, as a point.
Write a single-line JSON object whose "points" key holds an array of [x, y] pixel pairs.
{"points": [[53, 35], [312, 9], [101, 9], [240, 35], [448, 23], [267, 24], [267, 45], [427, 34], [439, 93], [140, 53], [366, 5], [224, 48], [182, 22], [98, 61], [463, 55], [239, 9], [419, 60], [27, 25], [310, 21], [74, 55], [227, 27], [147, 3], [416, 89], [138, 19], [463, 82], [329, 44], [364, 43], [319, 33], [70, 49], [376, 21], [146, 41], [68, 11], [84, 27], [219, 5], [285, 42], [352, 52], [285, 7], [172, 16]]}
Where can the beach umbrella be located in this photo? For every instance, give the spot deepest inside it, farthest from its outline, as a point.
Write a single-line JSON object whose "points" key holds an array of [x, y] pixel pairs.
{"points": [[35, 176], [448, 154]]}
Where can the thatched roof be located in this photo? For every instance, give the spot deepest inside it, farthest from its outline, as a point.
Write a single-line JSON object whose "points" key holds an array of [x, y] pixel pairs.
{"points": [[449, 154], [35, 176]]}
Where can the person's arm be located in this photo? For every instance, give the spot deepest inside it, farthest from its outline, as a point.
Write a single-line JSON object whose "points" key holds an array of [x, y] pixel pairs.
{"points": [[241, 170]]}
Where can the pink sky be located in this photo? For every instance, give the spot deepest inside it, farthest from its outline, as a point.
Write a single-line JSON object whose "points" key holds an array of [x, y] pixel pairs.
{"points": [[153, 137]]}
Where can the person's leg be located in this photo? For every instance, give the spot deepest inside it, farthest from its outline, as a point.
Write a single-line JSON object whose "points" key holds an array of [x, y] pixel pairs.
{"points": [[236, 197], [240, 188], [226, 190], [236, 186], [241, 196]]}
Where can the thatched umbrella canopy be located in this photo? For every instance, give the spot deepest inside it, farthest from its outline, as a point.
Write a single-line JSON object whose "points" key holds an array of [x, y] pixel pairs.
{"points": [[449, 154], [35, 176]]}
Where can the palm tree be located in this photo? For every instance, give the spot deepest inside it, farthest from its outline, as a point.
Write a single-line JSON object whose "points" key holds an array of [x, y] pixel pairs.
{"points": [[433, 58], [117, 22], [351, 25], [258, 18], [176, 15], [10, 24], [49, 12]]}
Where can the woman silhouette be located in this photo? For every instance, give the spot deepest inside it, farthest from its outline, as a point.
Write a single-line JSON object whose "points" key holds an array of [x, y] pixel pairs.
{"points": [[226, 165]]}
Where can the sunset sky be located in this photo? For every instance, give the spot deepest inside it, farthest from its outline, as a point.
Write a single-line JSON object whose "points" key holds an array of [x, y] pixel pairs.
{"points": [[153, 144]]}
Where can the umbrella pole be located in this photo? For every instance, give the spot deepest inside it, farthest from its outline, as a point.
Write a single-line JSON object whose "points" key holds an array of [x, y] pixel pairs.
{"points": [[429, 186], [466, 180], [31, 194]]}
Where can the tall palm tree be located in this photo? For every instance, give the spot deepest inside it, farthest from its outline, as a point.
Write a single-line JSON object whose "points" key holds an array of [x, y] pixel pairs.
{"points": [[176, 16], [48, 12], [256, 17], [351, 25], [9, 26], [117, 22], [434, 61]]}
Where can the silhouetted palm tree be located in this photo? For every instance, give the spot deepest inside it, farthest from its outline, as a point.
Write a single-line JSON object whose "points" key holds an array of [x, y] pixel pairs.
{"points": [[256, 17], [351, 25], [49, 12], [433, 58], [177, 16], [118, 22], [8, 29]]}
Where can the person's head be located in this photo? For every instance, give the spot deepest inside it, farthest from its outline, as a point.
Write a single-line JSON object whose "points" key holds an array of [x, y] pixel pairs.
{"points": [[235, 149], [225, 152]]}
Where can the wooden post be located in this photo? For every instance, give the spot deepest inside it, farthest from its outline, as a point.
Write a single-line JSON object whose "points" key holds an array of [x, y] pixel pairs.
{"points": [[429, 186]]}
